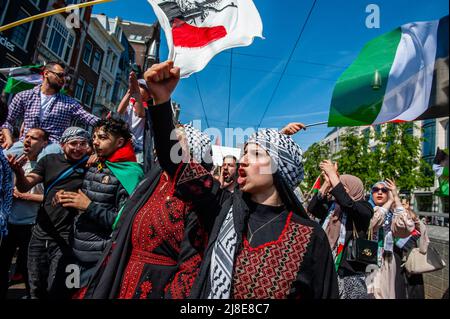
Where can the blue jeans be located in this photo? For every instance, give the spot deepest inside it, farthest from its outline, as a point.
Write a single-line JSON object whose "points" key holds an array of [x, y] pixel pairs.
{"points": [[17, 149]]}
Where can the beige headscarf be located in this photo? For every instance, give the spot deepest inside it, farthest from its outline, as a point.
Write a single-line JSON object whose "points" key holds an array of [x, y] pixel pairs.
{"points": [[355, 189]]}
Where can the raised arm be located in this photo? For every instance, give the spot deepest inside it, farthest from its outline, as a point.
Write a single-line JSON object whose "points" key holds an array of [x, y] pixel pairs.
{"points": [[318, 206], [162, 79], [124, 103], [359, 211], [23, 183]]}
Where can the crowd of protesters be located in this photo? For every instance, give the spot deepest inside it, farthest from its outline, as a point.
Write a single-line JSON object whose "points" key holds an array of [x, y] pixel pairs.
{"points": [[133, 223]]}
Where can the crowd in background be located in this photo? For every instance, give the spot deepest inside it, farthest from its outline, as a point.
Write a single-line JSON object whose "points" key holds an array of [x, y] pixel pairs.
{"points": [[136, 223]]}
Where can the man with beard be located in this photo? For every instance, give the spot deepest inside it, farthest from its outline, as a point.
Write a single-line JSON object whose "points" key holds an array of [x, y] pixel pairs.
{"points": [[228, 176], [24, 210], [49, 252], [45, 107], [106, 188]]}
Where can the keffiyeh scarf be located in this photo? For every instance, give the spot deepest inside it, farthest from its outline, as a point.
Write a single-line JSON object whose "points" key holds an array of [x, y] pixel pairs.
{"points": [[6, 193], [285, 153]]}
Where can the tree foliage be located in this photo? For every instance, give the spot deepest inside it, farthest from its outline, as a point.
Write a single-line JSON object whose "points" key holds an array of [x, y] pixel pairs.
{"points": [[393, 153], [314, 155]]}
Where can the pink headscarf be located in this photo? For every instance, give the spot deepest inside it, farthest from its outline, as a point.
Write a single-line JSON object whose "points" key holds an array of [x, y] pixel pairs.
{"points": [[355, 189]]}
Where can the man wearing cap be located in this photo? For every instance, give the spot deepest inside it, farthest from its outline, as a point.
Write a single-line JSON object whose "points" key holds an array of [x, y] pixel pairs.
{"points": [[49, 252], [132, 111], [106, 188], [45, 107]]}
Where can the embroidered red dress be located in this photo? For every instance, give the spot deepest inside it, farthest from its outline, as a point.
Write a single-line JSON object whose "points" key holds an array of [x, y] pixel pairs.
{"points": [[268, 271], [157, 232]]}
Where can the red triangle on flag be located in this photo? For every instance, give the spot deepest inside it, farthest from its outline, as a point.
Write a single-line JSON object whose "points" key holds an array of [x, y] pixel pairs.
{"points": [[316, 186]]}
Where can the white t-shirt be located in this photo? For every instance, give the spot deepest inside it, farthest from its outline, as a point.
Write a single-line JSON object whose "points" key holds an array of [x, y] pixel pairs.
{"points": [[46, 102], [137, 127], [24, 212]]}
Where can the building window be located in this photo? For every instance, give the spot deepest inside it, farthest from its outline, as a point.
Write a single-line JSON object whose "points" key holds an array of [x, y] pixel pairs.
{"points": [[108, 58], [96, 61], [58, 39], [366, 134], [89, 94], [429, 142], [107, 90], [87, 53], [3, 6], [113, 62], [446, 134], [79, 89], [410, 128], [21, 33], [445, 204], [35, 2], [377, 129], [102, 89], [424, 203]]}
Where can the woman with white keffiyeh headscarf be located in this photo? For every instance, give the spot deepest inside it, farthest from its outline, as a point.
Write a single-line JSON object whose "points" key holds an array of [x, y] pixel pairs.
{"points": [[389, 223], [261, 244]]}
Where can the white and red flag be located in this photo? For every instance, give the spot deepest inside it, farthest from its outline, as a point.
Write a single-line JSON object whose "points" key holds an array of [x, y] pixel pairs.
{"points": [[197, 30]]}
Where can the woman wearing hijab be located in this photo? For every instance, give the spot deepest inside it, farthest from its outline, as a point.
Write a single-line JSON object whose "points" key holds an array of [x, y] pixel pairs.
{"points": [[389, 223], [260, 243], [339, 216]]}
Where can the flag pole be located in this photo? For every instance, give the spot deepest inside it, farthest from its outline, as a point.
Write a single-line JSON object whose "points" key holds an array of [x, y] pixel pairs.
{"points": [[50, 13], [316, 124]]}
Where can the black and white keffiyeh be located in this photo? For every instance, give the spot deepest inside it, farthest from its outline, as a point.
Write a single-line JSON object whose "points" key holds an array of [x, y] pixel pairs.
{"points": [[75, 133], [287, 156], [199, 143], [285, 153], [222, 259]]}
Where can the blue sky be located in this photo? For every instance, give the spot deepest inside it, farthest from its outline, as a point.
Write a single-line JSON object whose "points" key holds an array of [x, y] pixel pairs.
{"points": [[332, 39]]}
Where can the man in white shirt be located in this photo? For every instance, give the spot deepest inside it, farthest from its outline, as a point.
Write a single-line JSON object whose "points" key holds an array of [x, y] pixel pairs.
{"points": [[132, 110], [23, 213]]}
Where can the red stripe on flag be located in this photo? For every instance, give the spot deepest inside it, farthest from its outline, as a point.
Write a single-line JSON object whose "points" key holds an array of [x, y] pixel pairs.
{"points": [[189, 36], [398, 121]]}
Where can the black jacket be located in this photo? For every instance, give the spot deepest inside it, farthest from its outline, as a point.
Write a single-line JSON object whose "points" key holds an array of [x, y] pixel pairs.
{"points": [[92, 229], [358, 212]]}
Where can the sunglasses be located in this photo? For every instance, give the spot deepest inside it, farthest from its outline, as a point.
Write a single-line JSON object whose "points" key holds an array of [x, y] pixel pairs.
{"points": [[60, 75], [377, 189]]}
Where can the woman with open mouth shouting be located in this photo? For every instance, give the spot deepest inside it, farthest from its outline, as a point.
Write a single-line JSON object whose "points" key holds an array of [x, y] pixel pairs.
{"points": [[261, 244]]}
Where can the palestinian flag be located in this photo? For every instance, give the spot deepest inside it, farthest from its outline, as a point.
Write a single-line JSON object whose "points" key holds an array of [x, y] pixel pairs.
{"points": [[316, 186], [23, 78], [440, 167], [399, 76]]}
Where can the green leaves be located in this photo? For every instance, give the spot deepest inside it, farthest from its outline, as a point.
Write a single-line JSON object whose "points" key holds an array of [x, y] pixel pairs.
{"points": [[392, 153]]}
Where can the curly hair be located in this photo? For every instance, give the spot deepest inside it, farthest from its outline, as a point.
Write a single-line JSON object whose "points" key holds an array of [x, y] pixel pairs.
{"points": [[114, 126]]}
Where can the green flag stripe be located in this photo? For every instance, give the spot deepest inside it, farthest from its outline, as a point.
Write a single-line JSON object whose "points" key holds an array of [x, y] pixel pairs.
{"points": [[15, 86], [354, 101]]}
